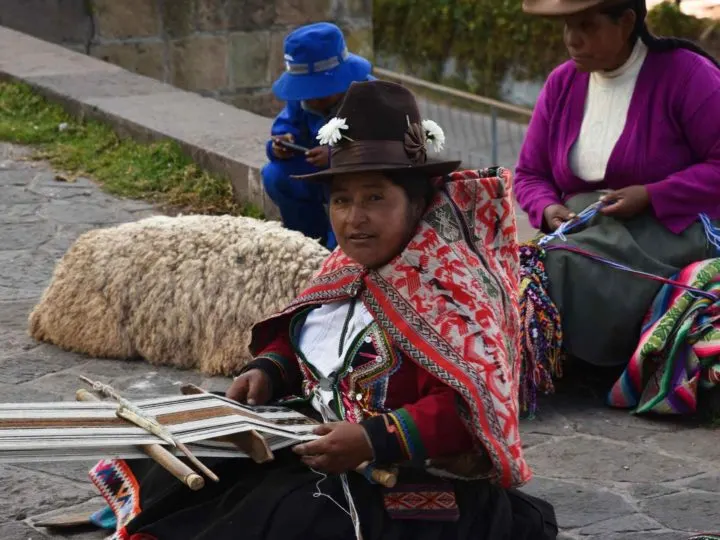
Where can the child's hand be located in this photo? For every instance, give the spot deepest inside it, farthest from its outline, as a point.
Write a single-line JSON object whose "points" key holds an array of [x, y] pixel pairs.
{"points": [[319, 156], [279, 151]]}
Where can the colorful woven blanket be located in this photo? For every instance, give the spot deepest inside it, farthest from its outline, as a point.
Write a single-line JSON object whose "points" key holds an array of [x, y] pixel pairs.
{"points": [[679, 351]]}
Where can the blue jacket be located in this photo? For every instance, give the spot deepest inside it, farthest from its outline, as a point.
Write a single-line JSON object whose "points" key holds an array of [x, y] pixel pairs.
{"points": [[303, 124]]}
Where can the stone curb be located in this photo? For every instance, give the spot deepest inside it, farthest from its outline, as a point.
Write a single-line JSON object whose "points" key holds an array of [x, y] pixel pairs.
{"points": [[220, 138]]}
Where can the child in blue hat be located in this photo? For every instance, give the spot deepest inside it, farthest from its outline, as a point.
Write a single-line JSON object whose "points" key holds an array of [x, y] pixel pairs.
{"points": [[319, 70]]}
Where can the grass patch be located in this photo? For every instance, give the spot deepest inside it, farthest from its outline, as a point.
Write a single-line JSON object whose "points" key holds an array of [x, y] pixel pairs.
{"points": [[159, 172]]}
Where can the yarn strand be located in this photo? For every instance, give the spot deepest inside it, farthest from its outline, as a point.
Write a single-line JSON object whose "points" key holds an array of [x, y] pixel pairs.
{"points": [[712, 233], [541, 324], [541, 335]]}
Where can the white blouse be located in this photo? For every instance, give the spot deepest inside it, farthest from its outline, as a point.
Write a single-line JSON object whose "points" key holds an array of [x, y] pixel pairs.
{"points": [[606, 109], [319, 340]]}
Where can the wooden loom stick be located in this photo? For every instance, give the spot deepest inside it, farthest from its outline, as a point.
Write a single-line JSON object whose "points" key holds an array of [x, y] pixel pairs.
{"points": [[131, 413], [160, 455], [250, 442], [383, 477]]}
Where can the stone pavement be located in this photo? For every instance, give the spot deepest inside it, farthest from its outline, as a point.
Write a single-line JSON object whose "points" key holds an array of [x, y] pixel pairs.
{"points": [[611, 476]]}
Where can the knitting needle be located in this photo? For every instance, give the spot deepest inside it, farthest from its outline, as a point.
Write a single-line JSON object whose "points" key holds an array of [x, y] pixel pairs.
{"points": [[130, 412], [160, 455]]}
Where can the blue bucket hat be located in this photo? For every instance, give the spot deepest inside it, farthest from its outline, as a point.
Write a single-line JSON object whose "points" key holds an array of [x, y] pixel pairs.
{"points": [[318, 64]]}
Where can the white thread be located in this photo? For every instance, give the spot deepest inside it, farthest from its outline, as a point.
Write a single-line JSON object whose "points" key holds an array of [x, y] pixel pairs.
{"points": [[352, 511], [711, 232], [318, 492], [351, 505]]}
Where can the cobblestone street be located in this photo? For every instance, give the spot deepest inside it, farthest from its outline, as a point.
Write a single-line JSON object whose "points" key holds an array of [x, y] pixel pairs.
{"points": [[611, 476]]}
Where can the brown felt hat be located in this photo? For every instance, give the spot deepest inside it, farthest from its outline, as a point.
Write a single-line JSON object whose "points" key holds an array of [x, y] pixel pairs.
{"points": [[560, 8], [381, 131]]}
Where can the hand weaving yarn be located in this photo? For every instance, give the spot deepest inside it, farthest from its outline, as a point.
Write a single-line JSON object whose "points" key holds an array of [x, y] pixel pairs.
{"points": [[541, 322]]}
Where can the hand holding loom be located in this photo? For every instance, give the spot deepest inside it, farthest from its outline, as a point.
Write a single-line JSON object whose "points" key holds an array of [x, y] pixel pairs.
{"points": [[341, 446], [253, 444]]}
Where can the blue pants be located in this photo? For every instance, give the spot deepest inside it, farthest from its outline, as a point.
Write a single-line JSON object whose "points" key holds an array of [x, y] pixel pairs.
{"points": [[301, 203]]}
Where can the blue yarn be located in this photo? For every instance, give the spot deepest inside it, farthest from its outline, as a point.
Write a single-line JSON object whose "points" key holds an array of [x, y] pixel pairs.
{"points": [[712, 232], [583, 217]]}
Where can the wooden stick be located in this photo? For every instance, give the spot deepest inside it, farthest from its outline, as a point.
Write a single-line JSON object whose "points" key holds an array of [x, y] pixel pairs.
{"points": [[379, 476], [249, 442], [160, 455], [385, 478], [130, 412], [195, 461]]}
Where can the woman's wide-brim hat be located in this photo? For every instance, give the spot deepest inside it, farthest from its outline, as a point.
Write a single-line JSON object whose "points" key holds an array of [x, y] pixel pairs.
{"points": [[318, 64], [378, 128], [561, 8]]}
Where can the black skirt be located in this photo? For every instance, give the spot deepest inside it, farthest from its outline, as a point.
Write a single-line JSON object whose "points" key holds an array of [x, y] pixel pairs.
{"points": [[601, 308], [280, 501]]}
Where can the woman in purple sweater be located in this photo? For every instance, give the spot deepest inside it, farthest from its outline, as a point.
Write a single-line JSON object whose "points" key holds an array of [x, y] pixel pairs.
{"points": [[633, 120]]}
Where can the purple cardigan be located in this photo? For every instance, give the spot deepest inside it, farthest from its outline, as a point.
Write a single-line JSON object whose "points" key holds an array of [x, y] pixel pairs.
{"points": [[671, 140]]}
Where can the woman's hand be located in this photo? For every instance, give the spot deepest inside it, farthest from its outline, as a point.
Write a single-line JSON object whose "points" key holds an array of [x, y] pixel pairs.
{"points": [[342, 447], [626, 202], [555, 215], [252, 387]]}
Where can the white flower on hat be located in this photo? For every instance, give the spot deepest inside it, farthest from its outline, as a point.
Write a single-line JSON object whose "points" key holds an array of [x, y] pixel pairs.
{"points": [[434, 134], [330, 133]]}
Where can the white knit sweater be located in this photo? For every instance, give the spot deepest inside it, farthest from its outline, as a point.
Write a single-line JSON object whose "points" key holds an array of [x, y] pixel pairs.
{"points": [[606, 108]]}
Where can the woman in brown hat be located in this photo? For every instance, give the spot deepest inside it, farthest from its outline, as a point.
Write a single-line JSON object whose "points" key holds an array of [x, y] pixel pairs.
{"points": [[404, 345], [632, 123]]}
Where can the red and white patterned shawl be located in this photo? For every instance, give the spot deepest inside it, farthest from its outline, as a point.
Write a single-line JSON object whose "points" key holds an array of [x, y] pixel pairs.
{"points": [[449, 301]]}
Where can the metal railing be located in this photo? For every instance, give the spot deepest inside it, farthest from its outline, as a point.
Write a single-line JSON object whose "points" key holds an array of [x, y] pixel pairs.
{"points": [[480, 131]]}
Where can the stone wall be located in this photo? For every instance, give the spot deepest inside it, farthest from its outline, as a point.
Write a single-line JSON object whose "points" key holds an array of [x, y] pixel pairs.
{"points": [[227, 49]]}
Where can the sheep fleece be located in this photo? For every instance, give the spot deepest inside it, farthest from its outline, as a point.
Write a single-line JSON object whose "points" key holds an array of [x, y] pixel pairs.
{"points": [[181, 291]]}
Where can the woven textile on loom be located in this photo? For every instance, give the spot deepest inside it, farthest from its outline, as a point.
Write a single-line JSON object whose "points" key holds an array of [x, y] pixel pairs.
{"points": [[679, 350], [75, 431]]}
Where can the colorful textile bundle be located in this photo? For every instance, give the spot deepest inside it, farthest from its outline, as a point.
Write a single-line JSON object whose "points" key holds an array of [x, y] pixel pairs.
{"points": [[541, 335], [679, 350]]}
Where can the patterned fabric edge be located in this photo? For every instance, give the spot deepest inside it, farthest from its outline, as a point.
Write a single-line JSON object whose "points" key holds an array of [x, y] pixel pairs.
{"points": [[276, 359], [408, 434], [425, 502], [118, 486]]}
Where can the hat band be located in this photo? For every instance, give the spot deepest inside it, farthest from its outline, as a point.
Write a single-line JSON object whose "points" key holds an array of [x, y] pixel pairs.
{"points": [[317, 67], [364, 153]]}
